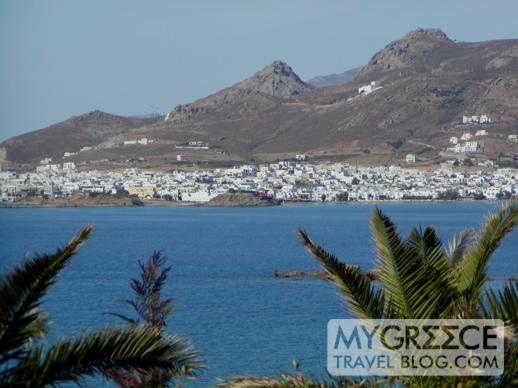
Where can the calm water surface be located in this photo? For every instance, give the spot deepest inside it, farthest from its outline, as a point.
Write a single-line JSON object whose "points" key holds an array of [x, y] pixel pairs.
{"points": [[242, 319]]}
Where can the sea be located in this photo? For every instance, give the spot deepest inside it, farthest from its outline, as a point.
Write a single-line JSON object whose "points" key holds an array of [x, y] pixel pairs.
{"points": [[228, 303]]}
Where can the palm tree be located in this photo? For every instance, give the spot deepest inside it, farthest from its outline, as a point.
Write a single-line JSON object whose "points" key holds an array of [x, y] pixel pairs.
{"points": [[26, 362], [153, 310], [419, 278]]}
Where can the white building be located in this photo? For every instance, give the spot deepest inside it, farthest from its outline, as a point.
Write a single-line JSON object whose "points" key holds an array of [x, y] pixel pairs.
{"points": [[199, 196], [301, 157], [454, 140], [366, 89], [513, 138], [481, 132], [85, 148], [198, 145], [469, 146], [410, 158], [181, 158], [130, 142], [466, 136], [484, 119], [69, 166]]}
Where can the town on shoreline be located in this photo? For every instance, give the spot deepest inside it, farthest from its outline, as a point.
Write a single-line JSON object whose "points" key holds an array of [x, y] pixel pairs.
{"points": [[285, 181]]}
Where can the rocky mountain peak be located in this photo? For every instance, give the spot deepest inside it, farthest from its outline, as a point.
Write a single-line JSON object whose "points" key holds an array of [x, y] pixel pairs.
{"points": [[279, 67], [277, 79], [409, 52], [431, 34], [94, 115]]}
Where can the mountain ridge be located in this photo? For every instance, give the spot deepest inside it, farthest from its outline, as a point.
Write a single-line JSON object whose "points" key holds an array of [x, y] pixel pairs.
{"points": [[336, 79], [428, 83]]}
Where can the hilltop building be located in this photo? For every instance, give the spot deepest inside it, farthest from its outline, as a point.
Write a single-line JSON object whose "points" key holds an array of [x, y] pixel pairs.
{"points": [[366, 89], [484, 119]]}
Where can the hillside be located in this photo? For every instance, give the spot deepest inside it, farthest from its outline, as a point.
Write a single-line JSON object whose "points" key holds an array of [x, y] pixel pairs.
{"points": [[428, 83]]}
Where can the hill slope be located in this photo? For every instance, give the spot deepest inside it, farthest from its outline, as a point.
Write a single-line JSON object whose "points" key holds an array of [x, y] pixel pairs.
{"points": [[428, 83]]}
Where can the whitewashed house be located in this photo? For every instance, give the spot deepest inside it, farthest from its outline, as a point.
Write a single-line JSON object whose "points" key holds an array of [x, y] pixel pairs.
{"points": [[410, 158]]}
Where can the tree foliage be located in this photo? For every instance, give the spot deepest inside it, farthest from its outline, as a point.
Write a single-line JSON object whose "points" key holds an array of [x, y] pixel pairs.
{"points": [[419, 278], [151, 310], [26, 360]]}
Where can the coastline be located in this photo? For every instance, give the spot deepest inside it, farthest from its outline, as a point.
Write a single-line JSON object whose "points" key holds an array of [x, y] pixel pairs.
{"points": [[165, 203]]}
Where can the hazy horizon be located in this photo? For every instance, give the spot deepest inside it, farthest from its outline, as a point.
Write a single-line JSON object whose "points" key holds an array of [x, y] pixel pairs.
{"points": [[62, 58]]}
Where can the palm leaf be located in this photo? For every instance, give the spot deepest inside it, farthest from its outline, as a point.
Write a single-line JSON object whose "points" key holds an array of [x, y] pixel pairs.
{"points": [[423, 243], [502, 304], [21, 291], [364, 299], [472, 268], [399, 267], [435, 289], [458, 246], [139, 349]]}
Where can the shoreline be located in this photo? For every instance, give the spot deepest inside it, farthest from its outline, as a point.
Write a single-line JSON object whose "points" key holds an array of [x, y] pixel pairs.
{"points": [[164, 203]]}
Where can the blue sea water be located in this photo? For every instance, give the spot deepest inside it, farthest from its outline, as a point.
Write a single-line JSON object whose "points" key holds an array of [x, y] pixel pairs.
{"points": [[238, 315]]}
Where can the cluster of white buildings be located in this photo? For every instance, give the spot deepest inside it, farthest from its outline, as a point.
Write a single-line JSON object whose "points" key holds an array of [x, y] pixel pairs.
{"points": [[483, 119], [194, 145], [142, 141], [468, 145], [289, 181], [471, 147], [68, 154]]}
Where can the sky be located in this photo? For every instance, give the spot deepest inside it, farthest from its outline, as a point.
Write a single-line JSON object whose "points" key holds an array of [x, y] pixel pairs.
{"points": [[60, 58]]}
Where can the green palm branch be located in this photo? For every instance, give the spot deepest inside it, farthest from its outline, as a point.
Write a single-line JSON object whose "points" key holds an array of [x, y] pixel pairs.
{"points": [[419, 277], [502, 304], [472, 267], [21, 292], [357, 288], [138, 349], [26, 362]]}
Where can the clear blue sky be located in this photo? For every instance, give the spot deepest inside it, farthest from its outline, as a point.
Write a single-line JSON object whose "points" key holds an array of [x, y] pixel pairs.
{"points": [[60, 58]]}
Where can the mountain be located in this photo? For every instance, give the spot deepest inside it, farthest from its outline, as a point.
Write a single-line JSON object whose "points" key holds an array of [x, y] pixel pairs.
{"points": [[334, 79], [263, 89], [86, 130], [428, 82]]}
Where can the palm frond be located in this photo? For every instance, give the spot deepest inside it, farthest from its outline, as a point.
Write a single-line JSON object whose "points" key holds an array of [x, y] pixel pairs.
{"points": [[363, 297], [435, 289], [21, 291], [399, 266], [472, 269], [501, 304], [423, 243], [148, 303], [458, 246], [139, 349], [300, 380]]}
